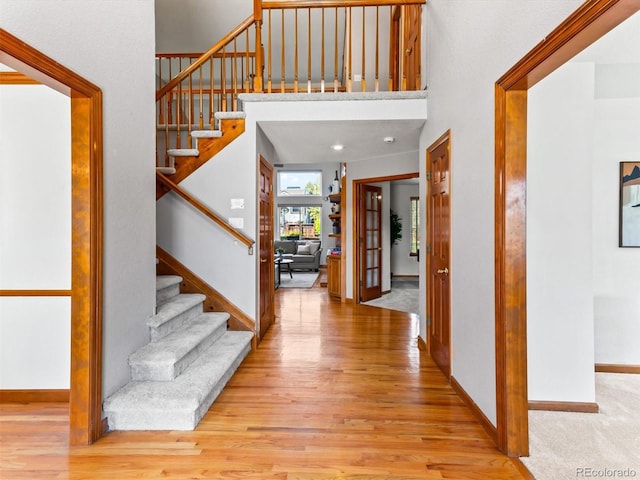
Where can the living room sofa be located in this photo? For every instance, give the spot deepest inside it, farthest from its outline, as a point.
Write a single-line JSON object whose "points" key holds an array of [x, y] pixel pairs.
{"points": [[304, 253]]}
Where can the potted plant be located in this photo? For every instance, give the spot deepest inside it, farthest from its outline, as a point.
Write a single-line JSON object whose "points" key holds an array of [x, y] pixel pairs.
{"points": [[396, 228]]}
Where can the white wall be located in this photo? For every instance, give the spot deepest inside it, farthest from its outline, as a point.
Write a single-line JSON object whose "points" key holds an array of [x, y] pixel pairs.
{"points": [[35, 236], [207, 250], [469, 45], [583, 122], [559, 242], [80, 35], [195, 25], [401, 262], [616, 281]]}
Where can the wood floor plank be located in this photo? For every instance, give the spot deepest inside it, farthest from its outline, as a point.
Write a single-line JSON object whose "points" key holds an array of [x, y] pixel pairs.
{"points": [[333, 391]]}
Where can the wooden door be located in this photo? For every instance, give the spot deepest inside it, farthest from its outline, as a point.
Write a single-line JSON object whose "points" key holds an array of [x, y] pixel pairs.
{"points": [[267, 272], [439, 240], [411, 43], [370, 233]]}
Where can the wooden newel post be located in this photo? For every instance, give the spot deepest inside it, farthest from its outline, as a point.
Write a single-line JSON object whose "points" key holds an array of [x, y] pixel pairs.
{"points": [[257, 16]]}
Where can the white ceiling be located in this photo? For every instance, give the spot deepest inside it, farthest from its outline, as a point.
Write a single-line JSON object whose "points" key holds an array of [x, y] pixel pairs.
{"points": [[310, 142]]}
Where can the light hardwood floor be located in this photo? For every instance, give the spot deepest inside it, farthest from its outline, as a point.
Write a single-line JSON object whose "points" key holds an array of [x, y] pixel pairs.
{"points": [[334, 391]]}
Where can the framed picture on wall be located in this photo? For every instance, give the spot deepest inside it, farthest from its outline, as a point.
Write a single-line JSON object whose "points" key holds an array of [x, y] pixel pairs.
{"points": [[630, 204]]}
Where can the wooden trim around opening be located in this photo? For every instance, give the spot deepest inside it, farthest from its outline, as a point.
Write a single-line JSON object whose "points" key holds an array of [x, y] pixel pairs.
{"points": [[34, 396], [85, 393], [35, 293], [479, 414], [582, 407], [613, 368], [589, 22], [16, 78], [355, 256]]}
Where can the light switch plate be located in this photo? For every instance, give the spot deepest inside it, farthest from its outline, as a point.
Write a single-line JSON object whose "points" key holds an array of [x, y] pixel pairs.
{"points": [[236, 222], [237, 203]]}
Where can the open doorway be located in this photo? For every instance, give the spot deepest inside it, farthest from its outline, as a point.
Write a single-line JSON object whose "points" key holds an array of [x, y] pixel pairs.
{"points": [[396, 255], [85, 392], [585, 26]]}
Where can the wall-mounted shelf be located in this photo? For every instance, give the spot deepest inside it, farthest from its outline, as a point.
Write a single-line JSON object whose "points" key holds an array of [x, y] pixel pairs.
{"points": [[335, 266]]}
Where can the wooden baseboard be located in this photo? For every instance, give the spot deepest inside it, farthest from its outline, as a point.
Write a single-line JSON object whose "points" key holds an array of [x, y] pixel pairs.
{"points": [[613, 368], [479, 414], [522, 468], [422, 345], [581, 407], [34, 396]]}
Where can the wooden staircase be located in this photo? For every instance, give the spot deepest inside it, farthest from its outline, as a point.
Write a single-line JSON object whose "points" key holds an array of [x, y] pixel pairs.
{"points": [[184, 161]]}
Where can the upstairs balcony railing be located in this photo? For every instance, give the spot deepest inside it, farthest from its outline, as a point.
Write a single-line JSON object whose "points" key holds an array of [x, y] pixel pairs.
{"points": [[289, 46]]}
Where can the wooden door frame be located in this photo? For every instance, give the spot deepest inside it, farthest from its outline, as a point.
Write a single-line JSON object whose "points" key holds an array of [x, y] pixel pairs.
{"points": [[587, 24], [362, 251], [85, 393], [263, 161], [355, 229], [445, 137]]}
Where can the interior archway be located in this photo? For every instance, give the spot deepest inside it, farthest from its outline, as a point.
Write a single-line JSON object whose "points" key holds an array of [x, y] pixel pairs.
{"points": [[590, 22]]}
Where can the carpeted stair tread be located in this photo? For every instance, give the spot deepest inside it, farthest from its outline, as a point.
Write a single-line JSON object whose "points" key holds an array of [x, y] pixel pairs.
{"points": [[181, 403], [229, 115], [183, 152], [174, 313], [164, 281], [167, 358], [206, 134]]}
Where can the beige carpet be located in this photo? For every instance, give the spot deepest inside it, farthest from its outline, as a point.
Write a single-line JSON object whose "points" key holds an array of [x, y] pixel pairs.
{"points": [[298, 279], [600, 445], [403, 296]]}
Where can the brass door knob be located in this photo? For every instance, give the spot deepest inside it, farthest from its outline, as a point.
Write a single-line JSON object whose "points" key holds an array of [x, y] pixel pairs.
{"points": [[445, 270]]}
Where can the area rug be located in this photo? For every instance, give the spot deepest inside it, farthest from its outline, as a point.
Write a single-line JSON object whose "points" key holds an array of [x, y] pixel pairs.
{"points": [[403, 297], [299, 280], [590, 445]]}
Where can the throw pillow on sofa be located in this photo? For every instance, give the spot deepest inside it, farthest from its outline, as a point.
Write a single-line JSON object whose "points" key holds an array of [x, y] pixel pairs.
{"points": [[304, 250]]}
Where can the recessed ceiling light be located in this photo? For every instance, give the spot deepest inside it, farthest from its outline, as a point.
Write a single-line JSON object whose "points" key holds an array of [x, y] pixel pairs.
{"points": [[389, 139], [337, 147]]}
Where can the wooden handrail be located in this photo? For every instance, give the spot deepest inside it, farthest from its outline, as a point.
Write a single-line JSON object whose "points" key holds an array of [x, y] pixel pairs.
{"points": [[284, 4], [212, 51], [195, 54], [206, 211]]}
